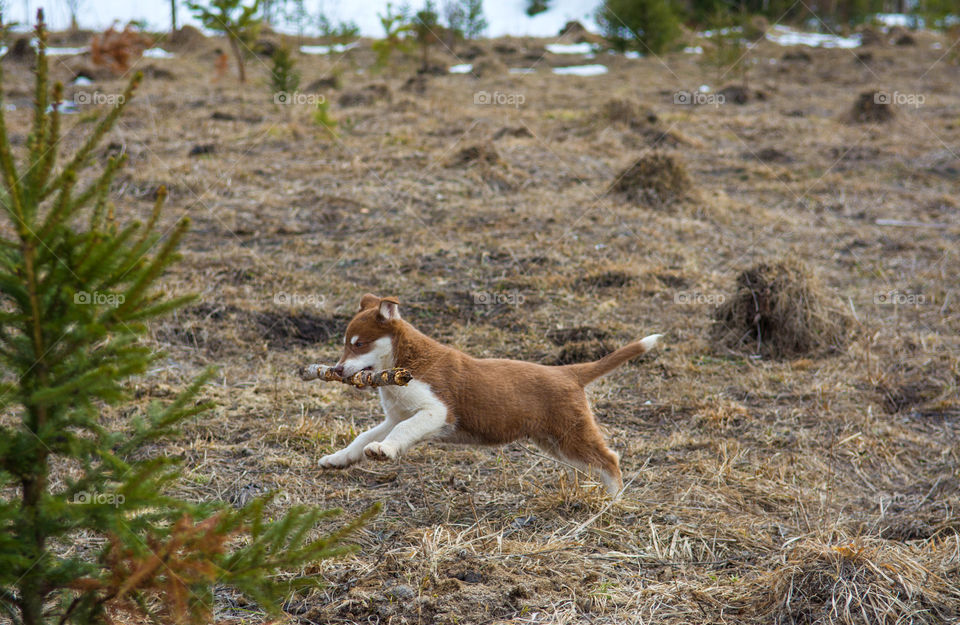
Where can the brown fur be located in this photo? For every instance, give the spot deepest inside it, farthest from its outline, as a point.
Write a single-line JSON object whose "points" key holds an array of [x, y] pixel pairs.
{"points": [[496, 401]]}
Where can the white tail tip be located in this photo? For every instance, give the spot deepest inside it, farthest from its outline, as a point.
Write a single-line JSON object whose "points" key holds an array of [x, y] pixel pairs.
{"points": [[650, 342]]}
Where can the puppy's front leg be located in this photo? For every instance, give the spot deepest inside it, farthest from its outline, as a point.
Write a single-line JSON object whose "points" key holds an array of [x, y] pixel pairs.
{"points": [[405, 434], [352, 453]]}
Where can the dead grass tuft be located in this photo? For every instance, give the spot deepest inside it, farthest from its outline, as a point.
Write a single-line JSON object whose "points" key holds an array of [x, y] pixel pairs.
{"points": [[367, 96], [583, 351], [871, 107], [475, 154], [609, 278], [627, 113], [865, 580], [489, 67], [780, 310], [657, 179]]}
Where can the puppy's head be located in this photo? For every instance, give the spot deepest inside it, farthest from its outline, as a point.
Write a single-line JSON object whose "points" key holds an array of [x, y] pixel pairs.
{"points": [[368, 342]]}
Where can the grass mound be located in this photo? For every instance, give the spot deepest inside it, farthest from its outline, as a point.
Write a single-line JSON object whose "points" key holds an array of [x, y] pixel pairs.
{"points": [[583, 351], [872, 107], [474, 154], [489, 67], [657, 179], [627, 113], [187, 39], [780, 310], [863, 581]]}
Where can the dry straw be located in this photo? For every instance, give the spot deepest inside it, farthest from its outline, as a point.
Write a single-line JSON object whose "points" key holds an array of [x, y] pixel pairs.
{"points": [[780, 310]]}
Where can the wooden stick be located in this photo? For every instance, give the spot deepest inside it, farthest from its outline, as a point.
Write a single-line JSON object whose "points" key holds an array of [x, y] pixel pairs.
{"points": [[360, 379]]}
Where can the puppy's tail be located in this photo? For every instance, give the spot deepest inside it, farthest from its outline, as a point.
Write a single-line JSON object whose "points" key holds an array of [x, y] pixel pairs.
{"points": [[589, 371]]}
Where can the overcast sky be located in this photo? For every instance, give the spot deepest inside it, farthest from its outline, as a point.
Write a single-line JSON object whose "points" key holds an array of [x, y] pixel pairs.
{"points": [[506, 17]]}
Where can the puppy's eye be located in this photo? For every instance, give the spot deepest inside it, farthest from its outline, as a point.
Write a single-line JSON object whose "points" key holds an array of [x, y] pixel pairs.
{"points": [[359, 344]]}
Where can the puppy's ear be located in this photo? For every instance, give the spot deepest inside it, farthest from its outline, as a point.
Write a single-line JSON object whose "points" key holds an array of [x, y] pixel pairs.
{"points": [[369, 301], [389, 309]]}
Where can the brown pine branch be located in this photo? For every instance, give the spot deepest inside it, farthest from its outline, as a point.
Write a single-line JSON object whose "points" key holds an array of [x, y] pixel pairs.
{"points": [[360, 379]]}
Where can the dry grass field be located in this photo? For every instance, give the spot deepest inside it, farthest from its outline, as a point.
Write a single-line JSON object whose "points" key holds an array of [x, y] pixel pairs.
{"points": [[814, 486]]}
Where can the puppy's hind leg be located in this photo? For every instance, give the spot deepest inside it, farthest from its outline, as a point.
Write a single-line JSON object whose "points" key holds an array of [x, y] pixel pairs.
{"points": [[592, 453]]}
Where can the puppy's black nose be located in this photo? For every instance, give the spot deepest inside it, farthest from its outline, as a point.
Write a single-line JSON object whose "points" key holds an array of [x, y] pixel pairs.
{"points": [[338, 370]]}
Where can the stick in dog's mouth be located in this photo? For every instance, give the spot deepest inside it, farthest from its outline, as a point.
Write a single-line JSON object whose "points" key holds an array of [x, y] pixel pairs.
{"points": [[360, 379]]}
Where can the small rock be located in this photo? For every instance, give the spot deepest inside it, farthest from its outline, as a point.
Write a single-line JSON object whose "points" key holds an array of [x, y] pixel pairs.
{"points": [[470, 577], [202, 149], [519, 132], [158, 73], [324, 84], [400, 591], [797, 55]]}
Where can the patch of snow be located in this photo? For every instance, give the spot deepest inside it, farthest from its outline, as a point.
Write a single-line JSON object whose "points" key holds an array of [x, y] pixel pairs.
{"points": [[157, 53], [66, 107], [704, 89], [82, 81], [936, 45], [632, 54], [571, 48], [462, 68], [786, 36], [522, 70], [65, 51], [693, 50], [335, 48], [899, 19], [720, 31], [581, 70]]}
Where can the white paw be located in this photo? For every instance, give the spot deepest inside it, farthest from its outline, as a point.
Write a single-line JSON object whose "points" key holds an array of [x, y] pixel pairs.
{"points": [[337, 460], [382, 451]]}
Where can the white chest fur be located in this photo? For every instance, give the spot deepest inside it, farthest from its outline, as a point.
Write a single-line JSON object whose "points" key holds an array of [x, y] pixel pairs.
{"points": [[402, 402]]}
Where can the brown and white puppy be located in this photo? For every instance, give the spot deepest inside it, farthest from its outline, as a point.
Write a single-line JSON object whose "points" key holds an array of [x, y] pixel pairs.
{"points": [[456, 398]]}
